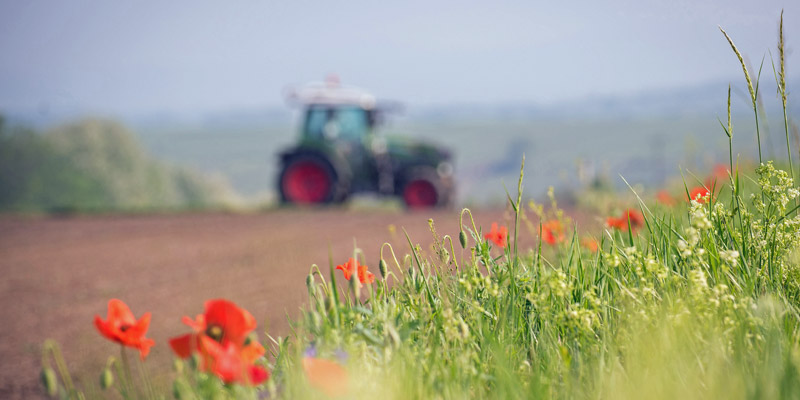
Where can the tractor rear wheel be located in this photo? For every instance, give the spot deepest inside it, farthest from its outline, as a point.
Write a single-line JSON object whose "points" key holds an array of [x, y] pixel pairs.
{"points": [[420, 193], [422, 189]]}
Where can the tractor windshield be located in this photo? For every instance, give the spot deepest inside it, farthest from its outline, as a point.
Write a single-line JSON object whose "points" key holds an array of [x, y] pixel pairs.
{"points": [[337, 122]]}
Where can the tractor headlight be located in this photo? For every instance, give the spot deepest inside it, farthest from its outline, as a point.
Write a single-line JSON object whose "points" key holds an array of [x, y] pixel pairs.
{"points": [[444, 169]]}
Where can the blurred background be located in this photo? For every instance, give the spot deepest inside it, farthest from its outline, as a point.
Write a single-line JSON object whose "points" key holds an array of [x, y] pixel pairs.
{"points": [[180, 105], [118, 109]]}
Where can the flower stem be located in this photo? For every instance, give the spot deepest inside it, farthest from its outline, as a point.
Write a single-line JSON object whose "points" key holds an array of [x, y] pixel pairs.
{"points": [[128, 378]]}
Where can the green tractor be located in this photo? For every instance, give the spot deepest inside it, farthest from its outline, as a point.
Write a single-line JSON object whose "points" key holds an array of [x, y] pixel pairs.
{"points": [[340, 153]]}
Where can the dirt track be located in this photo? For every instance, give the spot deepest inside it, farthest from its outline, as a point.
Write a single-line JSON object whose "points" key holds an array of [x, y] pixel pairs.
{"points": [[57, 273]]}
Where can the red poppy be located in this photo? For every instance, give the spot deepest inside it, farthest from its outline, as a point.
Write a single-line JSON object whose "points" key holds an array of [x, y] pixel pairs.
{"points": [[630, 216], [590, 244], [664, 198], [327, 376], [616, 223], [635, 217], [230, 364], [699, 194], [552, 232], [720, 172], [122, 327], [352, 267], [228, 325], [497, 235]]}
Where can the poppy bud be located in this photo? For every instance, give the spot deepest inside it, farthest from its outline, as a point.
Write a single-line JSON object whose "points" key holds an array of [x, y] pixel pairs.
{"points": [[49, 381], [177, 365], [412, 273], [355, 287], [310, 282], [194, 361], [462, 238], [106, 379], [383, 268], [444, 256]]}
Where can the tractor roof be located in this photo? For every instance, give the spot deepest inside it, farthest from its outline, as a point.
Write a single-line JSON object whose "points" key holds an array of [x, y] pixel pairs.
{"points": [[330, 92]]}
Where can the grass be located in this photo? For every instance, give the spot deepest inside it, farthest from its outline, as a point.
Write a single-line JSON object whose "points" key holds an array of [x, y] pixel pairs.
{"points": [[690, 307], [700, 301]]}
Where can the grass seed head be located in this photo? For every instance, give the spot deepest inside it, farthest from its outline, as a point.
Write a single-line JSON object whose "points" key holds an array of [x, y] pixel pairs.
{"points": [[729, 132], [781, 55], [744, 67]]}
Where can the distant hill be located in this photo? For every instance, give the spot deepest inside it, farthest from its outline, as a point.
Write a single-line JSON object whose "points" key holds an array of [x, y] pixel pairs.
{"points": [[93, 165], [702, 99]]}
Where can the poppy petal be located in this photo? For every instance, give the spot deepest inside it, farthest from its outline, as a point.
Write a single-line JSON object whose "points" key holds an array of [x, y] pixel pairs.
{"points": [[326, 376], [345, 270], [183, 345], [119, 311], [140, 327], [252, 352], [144, 347], [198, 324], [258, 374], [370, 277], [236, 323], [225, 361], [102, 327]]}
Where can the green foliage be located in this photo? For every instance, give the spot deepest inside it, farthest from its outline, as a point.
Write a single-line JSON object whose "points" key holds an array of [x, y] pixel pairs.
{"points": [[92, 165], [702, 305]]}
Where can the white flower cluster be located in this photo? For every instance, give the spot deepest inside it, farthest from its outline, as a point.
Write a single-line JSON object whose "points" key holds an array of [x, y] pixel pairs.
{"points": [[777, 186], [699, 225], [484, 284], [730, 257], [454, 326], [698, 216]]}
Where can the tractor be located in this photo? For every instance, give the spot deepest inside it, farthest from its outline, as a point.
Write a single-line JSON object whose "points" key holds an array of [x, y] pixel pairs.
{"points": [[340, 153]]}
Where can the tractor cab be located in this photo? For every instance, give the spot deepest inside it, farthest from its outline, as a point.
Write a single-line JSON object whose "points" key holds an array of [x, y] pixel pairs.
{"points": [[337, 122], [335, 112]]}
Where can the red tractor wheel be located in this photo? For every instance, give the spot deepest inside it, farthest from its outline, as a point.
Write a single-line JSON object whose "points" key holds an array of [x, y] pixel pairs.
{"points": [[420, 193], [306, 181]]}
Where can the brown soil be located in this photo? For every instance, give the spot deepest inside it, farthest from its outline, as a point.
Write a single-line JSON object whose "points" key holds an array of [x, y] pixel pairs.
{"points": [[58, 273]]}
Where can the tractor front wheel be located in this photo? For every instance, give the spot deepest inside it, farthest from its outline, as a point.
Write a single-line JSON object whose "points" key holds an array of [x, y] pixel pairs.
{"points": [[307, 180]]}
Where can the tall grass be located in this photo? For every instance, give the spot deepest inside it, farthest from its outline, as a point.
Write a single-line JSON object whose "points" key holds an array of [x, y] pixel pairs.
{"points": [[703, 304]]}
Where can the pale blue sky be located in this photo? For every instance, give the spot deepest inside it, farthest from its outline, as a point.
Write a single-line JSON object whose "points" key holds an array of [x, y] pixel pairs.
{"points": [[198, 56]]}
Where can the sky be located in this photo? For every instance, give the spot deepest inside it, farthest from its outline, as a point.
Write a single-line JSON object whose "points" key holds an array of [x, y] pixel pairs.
{"points": [[145, 57]]}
